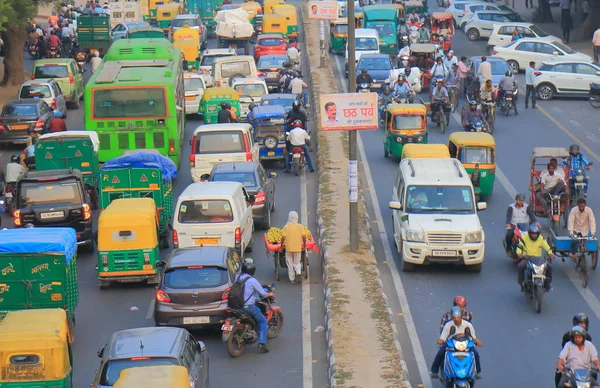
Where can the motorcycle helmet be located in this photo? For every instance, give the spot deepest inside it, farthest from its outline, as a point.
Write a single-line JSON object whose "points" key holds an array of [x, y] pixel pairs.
{"points": [[363, 71], [578, 330], [533, 232], [473, 105], [581, 318], [407, 71], [574, 149], [286, 64], [520, 197], [249, 268], [459, 301], [455, 312], [297, 124], [57, 113], [296, 106]]}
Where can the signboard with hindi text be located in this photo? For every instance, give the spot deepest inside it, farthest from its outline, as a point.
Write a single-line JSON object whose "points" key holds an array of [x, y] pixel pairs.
{"points": [[322, 10], [347, 111]]}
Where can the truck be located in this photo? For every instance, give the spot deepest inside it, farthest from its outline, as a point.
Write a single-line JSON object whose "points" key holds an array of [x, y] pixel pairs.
{"points": [[125, 11], [206, 9], [384, 18], [93, 33], [234, 29]]}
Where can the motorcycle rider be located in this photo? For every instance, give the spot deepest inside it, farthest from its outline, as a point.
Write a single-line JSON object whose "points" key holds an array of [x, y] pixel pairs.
{"points": [[532, 245], [226, 114], [54, 42], [505, 84], [293, 55], [363, 77], [297, 86], [552, 184], [461, 302], [27, 157], [253, 294], [580, 319], [42, 48], [424, 35], [405, 52], [386, 99], [439, 70], [519, 214], [456, 325], [402, 28], [402, 89], [67, 34], [452, 80], [57, 123], [298, 138], [250, 114], [427, 20], [469, 116], [582, 221], [296, 114], [578, 161], [576, 354], [439, 95], [486, 94]]}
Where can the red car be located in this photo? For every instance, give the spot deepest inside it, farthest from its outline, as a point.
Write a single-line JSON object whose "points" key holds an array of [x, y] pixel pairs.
{"points": [[269, 44]]}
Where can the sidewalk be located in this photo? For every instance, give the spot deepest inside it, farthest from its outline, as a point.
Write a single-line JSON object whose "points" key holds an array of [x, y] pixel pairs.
{"points": [[8, 92]]}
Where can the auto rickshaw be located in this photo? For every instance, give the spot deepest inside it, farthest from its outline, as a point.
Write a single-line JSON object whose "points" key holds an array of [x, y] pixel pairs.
{"points": [[128, 242], [338, 35], [268, 5], [404, 124], [152, 8], [423, 57], [35, 349], [442, 29], [253, 8], [165, 376], [422, 151], [275, 24], [289, 12], [188, 40], [269, 131], [165, 14], [212, 100], [415, 5], [477, 153]]}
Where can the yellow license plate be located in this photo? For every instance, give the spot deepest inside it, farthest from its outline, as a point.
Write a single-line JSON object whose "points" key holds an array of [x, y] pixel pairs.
{"points": [[147, 267], [190, 98], [270, 153], [206, 241], [20, 126], [56, 297]]}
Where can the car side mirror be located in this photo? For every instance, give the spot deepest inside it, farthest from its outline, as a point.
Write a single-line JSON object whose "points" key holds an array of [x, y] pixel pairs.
{"points": [[481, 206], [100, 352], [161, 264], [273, 174], [395, 205], [204, 177], [202, 346]]}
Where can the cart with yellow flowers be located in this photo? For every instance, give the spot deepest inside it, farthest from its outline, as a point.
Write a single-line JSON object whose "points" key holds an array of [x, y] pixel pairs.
{"points": [[276, 252]]}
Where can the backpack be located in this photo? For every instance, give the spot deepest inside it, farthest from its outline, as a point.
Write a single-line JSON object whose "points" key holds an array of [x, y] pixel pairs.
{"points": [[236, 294]]}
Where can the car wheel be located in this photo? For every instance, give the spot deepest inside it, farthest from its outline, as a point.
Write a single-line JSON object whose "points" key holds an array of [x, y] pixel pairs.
{"points": [[546, 92], [473, 34], [514, 65]]}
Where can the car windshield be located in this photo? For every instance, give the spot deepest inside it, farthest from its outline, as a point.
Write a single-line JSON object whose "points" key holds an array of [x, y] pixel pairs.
{"points": [[538, 31], [384, 29], [270, 42], [498, 67], [49, 193], [183, 22], [205, 212], [248, 179], [477, 155], [340, 29], [252, 90], [50, 71], [367, 44], [207, 60], [374, 64], [20, 110], [219, 142], [193, 84], [407, 121], [271, 63], [35, 91], [563, 47], [196, 276], [440, 199], [113, 368], [129, 102]]}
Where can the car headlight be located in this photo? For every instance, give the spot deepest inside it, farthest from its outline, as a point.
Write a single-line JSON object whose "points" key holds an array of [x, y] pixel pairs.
{"points": [[391, 45], [414, 236], [579, 178], [474, 237], [461, 346], [539, 269]]}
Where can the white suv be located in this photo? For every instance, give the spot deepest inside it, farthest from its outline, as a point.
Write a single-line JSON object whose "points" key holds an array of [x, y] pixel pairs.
{"points": [[565, 77], [250, 90], [502, 34], [435, 215], [481, 24], [475, 6]]}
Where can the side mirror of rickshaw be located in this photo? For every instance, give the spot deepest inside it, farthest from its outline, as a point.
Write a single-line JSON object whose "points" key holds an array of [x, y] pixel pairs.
{"points": [[395, 205], [204, 177], [251, 199], [481, 206], [100, 352], [271, 174], [160, 264], [202, 346]]}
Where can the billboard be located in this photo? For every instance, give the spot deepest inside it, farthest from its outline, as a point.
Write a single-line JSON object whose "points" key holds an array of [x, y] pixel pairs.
{"points": [[322, 10], [347, 111]]}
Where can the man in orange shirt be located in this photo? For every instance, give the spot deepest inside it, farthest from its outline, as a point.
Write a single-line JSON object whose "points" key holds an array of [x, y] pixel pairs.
{"points": [[53, 20], [294, 238], [596, 43]]}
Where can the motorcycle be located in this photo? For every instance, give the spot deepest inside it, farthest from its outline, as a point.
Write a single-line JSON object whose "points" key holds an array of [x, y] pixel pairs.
{"points": [[240, 329], [364, 87], [554, 212], [403, 98], [441, 115], [404, 40], [490, 114], [508, 101], [459, 362], [11, 175], [52, 52], [33, 51], [578, 185], [414, 35], [298, 159], [595, 95], [476, 126], [535, 276], [80, 58], [581, 378]]}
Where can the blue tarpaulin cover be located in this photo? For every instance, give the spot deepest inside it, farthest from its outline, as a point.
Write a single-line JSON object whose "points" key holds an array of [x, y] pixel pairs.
{"points": [[32, 240], [144, 160], [268, 112]]}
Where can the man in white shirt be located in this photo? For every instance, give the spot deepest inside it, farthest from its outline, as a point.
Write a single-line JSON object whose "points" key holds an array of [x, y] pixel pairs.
{"points": [[297, 87], [530, 84], [95, 61], [297, 138], [582, 220], [557, 170], [485, 70], [293, 55], [450, 60], [552, 184], [576, 354]]}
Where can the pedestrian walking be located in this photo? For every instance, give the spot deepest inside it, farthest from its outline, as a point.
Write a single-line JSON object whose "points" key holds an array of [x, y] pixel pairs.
{"points": [[585, 9], [294, 237], [462, 72], [567, 25], [565, 8], [530, 84], [528, 3], [596, 43]]}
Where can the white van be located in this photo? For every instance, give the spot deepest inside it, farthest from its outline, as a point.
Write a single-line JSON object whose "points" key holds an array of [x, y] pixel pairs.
{"points": [[214, 213], [219, 143], [435, 215], [367, 42], [227, 69]]}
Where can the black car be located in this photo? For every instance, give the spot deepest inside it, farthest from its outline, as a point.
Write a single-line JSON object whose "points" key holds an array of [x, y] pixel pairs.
{"points": [[256, 181], [55, 198], [18, 116], [378, 66], [270, 66], [282, 99]]}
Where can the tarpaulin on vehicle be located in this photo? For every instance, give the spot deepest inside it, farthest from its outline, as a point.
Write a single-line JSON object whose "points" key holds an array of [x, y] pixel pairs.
{"points": [[268, 112], [34, 240], [144, 160]]}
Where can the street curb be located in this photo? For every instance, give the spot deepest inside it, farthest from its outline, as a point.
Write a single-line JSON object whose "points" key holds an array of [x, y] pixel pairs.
{"points": [[324, 245]]}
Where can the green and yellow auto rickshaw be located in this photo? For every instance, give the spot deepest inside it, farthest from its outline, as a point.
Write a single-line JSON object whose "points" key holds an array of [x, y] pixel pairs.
{"points": [[35, 349], [128, 247], [212, 100], [269, 4], [338, 35], [477, 153], [425, 151], [165, 376], [188, 40], [404, 124], [165, 14], [415, 5], [289, 13], [151, 7], [275, 24]]}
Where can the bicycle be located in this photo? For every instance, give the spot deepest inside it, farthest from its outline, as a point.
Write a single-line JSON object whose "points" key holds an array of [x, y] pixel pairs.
{"points": [[453, 96]]}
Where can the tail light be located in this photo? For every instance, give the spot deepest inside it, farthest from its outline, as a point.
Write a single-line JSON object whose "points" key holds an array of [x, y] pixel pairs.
{"points": [[261, 74], [87, 214], [248, 156], [171, 31], [9, 189], [146, 258], [228, 313], [2, 127], [175, 239], [537, 73], [17, 218], [39, 124], [225, 295], [260, 198], [238, 236], [247, 146], [71, 79], [53, 105], [192, 155], [494, 52], [162, 296], [218, 84], [171, 145], [105, 260]]}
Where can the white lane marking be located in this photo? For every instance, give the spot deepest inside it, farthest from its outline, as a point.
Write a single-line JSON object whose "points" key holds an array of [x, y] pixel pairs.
{"points": [[391, 263], [307, 364], [150, 312]]}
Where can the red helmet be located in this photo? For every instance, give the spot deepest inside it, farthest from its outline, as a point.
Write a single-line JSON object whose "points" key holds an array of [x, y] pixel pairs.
{"points": [[460, 301], [297, 124], [294, 44]]}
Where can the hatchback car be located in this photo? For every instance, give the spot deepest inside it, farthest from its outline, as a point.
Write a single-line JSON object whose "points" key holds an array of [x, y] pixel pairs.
{"points": [[565, 77], [150, 346], [519, 53], [18, 116], [267, 44], [250, 90], [66, 72], [256, 181], [474, 6], [499, 67], [194, 90], [378, 66], [502, 34], [47, 90], [269, 67], [121, 30], [481, 24], [286, 100], [194, 286]]}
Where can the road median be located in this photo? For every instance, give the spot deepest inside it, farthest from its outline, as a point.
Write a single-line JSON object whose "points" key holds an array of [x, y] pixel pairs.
{"points": [[363, 349]]}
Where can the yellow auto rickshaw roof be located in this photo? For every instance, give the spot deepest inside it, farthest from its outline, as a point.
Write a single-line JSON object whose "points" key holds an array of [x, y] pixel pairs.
{"points": [[425, 151], [472, 138], [283, 6], [407, 108], [129, 212], [186, 32], [410, 3], [224, 94], [549, 152], [39, 329], [442, 15], [273, 17], [167, 7], [158, 376], [287, 12]]}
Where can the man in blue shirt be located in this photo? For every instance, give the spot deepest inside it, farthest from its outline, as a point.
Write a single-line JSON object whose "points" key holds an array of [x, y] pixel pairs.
{"points": [[402, 88], [253, 294], [578, 161], [530, 84]]}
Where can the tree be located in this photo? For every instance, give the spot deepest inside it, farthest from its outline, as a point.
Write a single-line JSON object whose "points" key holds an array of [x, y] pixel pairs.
{"points": [[543, 13], [13, 20], [592, 22]]}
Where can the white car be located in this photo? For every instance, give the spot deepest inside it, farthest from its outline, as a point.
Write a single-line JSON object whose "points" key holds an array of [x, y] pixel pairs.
{"points": [[457, 9], [250, 90], [519, 53], [121, 30], [47, 90], [481, 24], [565, 77], [502, 34], [475, 6], [194, 90]]}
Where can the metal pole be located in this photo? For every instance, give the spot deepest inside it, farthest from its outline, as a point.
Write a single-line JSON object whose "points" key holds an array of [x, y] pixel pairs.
{"points": [[352, 160], [322, 42]]}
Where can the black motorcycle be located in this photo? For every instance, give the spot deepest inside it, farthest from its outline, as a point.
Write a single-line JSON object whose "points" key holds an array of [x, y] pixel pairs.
{"points": [[508, 102], [476, 126], [440, 114], [578, 185], [534, 279], [595, 95]]}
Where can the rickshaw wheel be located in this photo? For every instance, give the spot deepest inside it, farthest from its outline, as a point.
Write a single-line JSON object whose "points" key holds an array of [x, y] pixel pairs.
{"points": [[594, 257], [385, 152]]}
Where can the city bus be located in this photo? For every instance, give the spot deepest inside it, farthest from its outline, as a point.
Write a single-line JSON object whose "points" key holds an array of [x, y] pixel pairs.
{"points": [[135, 98]]}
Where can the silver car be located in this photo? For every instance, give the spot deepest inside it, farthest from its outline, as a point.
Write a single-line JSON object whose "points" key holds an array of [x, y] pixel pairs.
{"points": [[194, 90], [121, 30], [47, 90]]}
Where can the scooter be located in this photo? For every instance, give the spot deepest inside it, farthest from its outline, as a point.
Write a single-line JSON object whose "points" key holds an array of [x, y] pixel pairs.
{"points": [[364, 87], [459, 362], [535, 276], [581, 378]]}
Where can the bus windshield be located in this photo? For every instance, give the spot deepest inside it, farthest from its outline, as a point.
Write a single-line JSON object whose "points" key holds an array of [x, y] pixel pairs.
{"points": [[127, 103]]}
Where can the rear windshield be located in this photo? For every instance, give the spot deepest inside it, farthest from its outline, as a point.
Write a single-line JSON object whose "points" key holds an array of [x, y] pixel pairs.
{"points": [[248, 179], [25, 110], [49, 192], [195, 277], [207, 60], [252, 90], [219, 142], [270, 42], [183, 22], [193, 84], [205, 212], [476, 155], [113, 368], [229, 69], [121, 103], [367, 44], [272, 63], [35, 91], [49, 71]]}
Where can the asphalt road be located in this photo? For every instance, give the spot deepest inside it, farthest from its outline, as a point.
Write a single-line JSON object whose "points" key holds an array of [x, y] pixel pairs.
{"points": [[298, 355], [518, 344]]}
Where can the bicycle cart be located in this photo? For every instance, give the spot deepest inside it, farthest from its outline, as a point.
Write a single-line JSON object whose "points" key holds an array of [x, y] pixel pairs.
{"points": [[275, 253], [576, 248]]}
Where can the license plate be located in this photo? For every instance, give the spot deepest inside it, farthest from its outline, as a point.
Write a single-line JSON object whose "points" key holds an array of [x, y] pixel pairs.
{"points": [[190, 98], [296, 156], [56, 297], [365, 91], [270, 153], [147, 267], [444, 253], [227, 327], [271, 75], [8, 195], [193, 320], [206, 241], [20, 126], [508, 98], [45, 216]]}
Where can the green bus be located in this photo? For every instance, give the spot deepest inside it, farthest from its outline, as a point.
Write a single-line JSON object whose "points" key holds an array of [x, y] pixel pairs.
{"points": [[384, 19], [134, 99]]}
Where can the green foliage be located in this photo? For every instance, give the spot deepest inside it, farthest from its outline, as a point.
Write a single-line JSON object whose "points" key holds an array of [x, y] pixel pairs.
{"points": [[15, 13]]}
